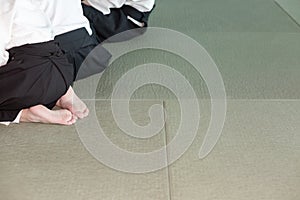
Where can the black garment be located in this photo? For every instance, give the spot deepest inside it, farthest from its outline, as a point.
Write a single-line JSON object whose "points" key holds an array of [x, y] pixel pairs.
{"points": [[105, 26], [77, 45], [35, 74]]}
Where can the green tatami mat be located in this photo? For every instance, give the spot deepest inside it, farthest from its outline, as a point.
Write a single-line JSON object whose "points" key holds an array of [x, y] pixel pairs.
{"points": [[292, 7], [253, 66], [49, 162], [256, 157], [222, 16]]}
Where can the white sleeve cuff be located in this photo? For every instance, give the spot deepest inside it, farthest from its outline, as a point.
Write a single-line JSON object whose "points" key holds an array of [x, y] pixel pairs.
{"points": [[141, 5], [140, 24], [4, 58]]}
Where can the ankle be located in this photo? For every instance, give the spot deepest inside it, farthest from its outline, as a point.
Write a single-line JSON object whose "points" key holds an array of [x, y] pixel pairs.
{"points": [[24, 115]]}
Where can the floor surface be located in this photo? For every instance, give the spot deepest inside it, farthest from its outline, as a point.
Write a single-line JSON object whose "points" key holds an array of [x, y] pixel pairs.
{"points": [[256, 46]]}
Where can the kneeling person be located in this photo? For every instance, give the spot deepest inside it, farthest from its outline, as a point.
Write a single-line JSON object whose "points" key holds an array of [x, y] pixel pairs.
{"points": [[35, 74]]}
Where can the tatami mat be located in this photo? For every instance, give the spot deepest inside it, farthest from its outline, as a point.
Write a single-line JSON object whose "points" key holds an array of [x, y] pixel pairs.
{"points": [[255, 45], [291, 7], [257, 156], [196, 16], [252, 65], [43, 162]]}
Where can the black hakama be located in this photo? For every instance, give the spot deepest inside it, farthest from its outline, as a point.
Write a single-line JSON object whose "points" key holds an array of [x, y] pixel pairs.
{"points": [[77, 45], [106, 26], [35, 74]]}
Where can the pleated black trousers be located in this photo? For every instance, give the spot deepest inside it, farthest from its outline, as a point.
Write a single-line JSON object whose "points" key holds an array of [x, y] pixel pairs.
{"points": [[77, 45], [106, 26], [35, 74]]}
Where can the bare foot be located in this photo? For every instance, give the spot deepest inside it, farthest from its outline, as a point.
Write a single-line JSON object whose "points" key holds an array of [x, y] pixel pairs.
{"points": [[42, 114], [72, 102]]}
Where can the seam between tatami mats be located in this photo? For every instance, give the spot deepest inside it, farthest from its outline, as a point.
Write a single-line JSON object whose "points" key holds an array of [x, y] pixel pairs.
{"points": [[287, 13], [166, 140], [265, 100], [204, 99], [167, 169]]}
